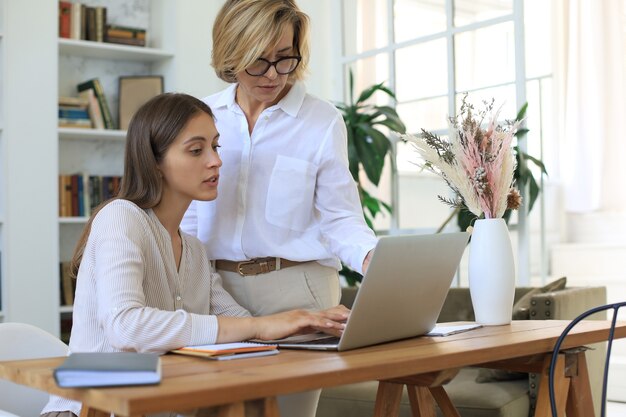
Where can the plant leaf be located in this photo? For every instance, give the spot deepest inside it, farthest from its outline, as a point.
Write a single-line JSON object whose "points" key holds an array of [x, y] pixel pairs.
{"points": [[351, 84], [521, 132], [368, 92], [351, 276], [533, 192], [353, 155], [535, 161], [393, 125], [522, 112], [372, 149]]}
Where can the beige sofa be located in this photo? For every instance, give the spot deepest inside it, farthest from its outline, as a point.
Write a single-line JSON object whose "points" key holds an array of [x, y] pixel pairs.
{"points": [[500, 398]]}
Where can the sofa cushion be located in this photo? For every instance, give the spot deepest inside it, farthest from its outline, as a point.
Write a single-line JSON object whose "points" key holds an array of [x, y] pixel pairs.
{"points": [[498, 399], [521, 309], [494, 375]]}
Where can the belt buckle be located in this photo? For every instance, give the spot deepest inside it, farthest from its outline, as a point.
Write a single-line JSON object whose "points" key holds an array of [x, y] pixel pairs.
{"points": [[242, 263]]}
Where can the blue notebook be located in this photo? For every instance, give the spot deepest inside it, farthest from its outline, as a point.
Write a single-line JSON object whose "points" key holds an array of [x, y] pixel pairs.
{"points": [[103, 369]]}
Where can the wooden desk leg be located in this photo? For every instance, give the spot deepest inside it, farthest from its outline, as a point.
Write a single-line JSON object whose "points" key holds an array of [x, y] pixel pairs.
{"points": [[388, 399], [265, 407], [441, 396], [270, 407], [561, 388], [422, 404], [579, 400], [231, 410]]}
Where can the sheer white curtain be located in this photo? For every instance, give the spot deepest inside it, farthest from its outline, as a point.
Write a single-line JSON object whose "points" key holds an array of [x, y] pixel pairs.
{"points": [[590, 69]]}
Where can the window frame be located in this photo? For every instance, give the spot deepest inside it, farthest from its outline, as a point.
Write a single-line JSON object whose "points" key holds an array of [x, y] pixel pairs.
{"points": [[517, 18]]}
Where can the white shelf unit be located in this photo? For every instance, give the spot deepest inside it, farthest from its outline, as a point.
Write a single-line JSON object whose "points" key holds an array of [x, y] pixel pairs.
{"points": [[34, 151], [2, 172], [100, 152], [101, 50], [91, 134]]}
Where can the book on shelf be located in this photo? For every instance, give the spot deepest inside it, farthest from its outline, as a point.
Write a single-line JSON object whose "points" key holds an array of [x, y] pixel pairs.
{"points": [[96, 23], [73, 113], [126, 35], [93, 108], [65, 13], [90, 31], [119, 31], [222, 351], [126, 41], [63, 210], [102, 369], [77, 21], [80, 194], [73, 102], [95, 84], [75, 123], [101, 23]]}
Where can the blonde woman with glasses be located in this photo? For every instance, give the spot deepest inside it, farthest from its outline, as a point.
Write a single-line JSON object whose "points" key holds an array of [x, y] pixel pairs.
{"points": [[289, 210]]}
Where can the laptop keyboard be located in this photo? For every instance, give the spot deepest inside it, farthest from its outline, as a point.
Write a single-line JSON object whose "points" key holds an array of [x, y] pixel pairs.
{"points": [[324, 341]]}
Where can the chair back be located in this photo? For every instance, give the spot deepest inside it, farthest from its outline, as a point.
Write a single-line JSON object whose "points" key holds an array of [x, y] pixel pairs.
{"points": [[557, 347], [24, 341]]}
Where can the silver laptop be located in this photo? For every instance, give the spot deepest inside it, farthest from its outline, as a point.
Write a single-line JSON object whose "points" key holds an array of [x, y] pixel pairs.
{"points": [[401, 294]]}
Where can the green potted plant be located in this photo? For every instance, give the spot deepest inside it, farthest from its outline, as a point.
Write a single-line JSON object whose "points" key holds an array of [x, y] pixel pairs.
{"points": [[368, 146]]}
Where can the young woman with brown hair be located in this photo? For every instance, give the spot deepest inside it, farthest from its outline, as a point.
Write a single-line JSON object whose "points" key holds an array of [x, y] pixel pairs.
{"points": [[141, 284]]}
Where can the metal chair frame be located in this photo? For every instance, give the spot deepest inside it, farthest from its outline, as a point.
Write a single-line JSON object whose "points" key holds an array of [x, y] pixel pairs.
{"points": [[557, 347]]}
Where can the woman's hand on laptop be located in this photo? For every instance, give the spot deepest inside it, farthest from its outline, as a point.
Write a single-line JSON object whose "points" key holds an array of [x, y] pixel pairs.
{"points": [[277, 326]]}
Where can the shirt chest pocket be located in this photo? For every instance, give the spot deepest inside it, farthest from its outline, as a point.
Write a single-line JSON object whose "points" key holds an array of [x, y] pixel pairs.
{"points": [[290, 194]]}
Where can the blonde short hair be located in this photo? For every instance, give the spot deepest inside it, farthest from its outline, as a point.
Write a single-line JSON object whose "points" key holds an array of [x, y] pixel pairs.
{"points": [[245, 29]]}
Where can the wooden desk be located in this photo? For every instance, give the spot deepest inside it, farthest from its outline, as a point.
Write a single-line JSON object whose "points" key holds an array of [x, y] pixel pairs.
{"points": [[190, 382]]}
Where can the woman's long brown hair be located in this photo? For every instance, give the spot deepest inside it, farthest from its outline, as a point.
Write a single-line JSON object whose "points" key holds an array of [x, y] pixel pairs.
{"points": [[150, 133]]}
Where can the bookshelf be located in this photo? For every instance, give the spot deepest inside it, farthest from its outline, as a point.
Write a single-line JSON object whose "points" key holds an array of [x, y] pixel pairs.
{"points": [[99, 50], [33, 155]]}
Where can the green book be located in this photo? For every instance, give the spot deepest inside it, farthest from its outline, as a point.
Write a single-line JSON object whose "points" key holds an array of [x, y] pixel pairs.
{"points": [[95, 84], [105, 369]]}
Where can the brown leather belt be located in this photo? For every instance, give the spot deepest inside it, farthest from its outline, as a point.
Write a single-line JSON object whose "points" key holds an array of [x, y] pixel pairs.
{"points": [[255, 266]]}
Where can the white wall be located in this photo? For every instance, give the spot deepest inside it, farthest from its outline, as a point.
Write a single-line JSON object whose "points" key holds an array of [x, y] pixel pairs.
{"points": [[324, 78]]}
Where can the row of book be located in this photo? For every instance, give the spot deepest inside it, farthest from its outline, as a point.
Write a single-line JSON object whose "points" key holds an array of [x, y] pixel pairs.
{"points": [[89, 110], [80, 194], [79, 21]]}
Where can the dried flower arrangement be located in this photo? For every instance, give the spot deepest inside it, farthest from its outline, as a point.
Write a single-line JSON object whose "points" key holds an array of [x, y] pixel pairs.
{"points": [[477, 163]]}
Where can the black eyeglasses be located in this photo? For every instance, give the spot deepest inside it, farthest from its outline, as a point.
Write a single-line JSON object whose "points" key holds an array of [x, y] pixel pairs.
{"points": [[283, 66]]}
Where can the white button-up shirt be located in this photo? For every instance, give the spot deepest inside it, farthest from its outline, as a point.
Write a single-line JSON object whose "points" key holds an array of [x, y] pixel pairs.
{"points": [[285, 190]]}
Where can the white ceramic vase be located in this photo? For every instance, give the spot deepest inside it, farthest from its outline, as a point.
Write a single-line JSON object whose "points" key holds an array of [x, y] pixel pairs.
{"points": [[491, 272]]}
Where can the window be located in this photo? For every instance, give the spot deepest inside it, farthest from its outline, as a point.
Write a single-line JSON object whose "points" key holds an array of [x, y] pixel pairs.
{"points": [[430, 52]]}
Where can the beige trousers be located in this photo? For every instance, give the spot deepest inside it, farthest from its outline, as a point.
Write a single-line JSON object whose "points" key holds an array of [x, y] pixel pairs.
{"points": [[308, 286]]}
